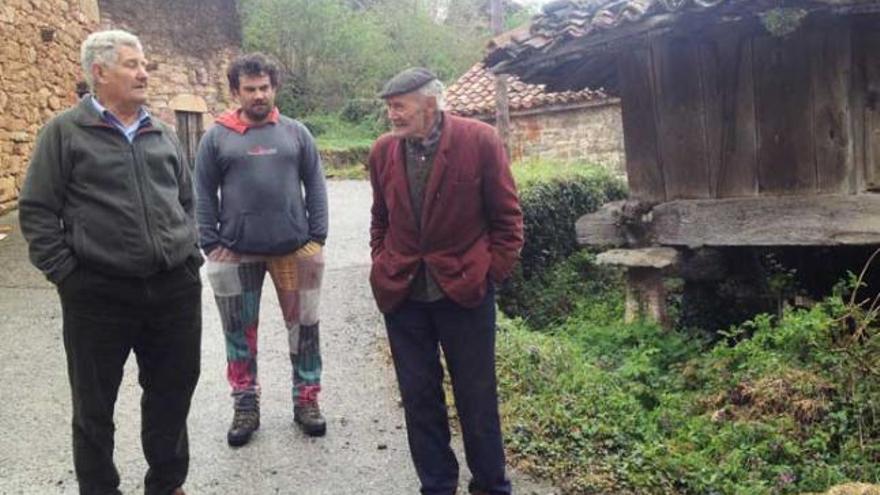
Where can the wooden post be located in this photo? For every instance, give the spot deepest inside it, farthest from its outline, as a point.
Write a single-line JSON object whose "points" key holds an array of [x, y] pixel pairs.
{"points": [[502, 113]]}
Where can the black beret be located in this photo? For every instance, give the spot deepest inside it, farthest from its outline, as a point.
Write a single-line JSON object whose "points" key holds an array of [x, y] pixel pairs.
{"points": [[407, 81]]}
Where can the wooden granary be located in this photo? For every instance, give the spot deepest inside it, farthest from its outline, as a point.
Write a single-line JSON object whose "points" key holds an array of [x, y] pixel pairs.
{"points": [[746, 122]]}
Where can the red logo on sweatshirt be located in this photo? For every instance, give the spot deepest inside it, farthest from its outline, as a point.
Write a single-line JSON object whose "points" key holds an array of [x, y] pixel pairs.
{"points": [[261, 151]]}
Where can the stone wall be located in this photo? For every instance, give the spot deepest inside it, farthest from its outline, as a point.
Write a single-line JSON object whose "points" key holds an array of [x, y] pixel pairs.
{"points": [[188, 43], [591, 133], [39, 69]]}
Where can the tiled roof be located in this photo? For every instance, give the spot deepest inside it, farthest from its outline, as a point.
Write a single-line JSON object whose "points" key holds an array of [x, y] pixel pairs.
{"points": [[564, 20], [566, 30], [474, 94]]}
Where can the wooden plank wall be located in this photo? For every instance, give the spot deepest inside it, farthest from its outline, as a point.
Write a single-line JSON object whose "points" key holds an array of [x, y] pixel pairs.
{"points": [[784, 115], [643, 167], [729, 99], [738, 114], [831, 76], [869, 51], [681, 127]]}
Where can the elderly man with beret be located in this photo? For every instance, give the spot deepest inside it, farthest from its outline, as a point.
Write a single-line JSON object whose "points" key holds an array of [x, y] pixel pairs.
{"points": [[446, 227]]}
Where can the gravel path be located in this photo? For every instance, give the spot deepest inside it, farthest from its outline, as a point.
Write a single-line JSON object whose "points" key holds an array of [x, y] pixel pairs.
{"points": [[364, 452]]}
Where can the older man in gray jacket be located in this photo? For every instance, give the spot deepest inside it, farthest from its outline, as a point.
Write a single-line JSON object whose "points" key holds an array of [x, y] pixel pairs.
{"points": [[107, 210]]}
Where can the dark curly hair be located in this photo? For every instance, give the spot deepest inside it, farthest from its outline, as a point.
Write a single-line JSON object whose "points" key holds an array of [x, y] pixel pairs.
{"points": [[252, 64]]}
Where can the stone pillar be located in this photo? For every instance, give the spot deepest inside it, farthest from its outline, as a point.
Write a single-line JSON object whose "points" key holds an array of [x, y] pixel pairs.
{"points": [[645, 289]]}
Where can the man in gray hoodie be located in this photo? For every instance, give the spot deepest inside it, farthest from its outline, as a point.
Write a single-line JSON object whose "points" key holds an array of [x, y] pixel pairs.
{"points": [[262, 206], [107, 210]]}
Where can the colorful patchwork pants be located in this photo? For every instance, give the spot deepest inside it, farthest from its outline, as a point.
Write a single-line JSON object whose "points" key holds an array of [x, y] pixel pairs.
{"points": [[237, 284]]}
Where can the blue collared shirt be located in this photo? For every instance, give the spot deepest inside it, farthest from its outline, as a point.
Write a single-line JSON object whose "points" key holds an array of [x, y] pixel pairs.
{"points": [[129, 131]]}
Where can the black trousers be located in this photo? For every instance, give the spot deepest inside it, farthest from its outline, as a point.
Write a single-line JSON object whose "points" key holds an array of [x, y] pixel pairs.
{"points": [[160, 319], [416, 332]]}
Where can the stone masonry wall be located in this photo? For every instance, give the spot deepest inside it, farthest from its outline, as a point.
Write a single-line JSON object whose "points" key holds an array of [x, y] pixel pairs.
{"points": [[591, 134], [39, 69], [188, 43]]}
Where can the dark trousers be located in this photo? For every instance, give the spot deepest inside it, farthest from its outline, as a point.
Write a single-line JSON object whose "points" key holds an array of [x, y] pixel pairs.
{"points": [[105, 318], [416, 332]]}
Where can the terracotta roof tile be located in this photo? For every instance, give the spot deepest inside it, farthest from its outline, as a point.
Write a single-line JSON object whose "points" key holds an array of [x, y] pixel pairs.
{"points": [[474, 94], [564, 20]]}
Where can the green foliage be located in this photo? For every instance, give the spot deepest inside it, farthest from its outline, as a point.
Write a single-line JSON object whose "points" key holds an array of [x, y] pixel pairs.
{"points": [[577, 414], [325, 52], [335, 133], [367, 113], [779, 407], [549, 297], [553, 196], [333, 51]]}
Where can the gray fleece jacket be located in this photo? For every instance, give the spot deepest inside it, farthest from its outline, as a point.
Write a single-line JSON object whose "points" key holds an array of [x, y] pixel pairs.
{"points": [[259, 190], [92, 198]]}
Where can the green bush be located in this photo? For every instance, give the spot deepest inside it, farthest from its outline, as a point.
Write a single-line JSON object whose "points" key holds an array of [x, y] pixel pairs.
{"points": [[551, 206], [546, 283], [779, 407], [333, 132], [550, 297]]}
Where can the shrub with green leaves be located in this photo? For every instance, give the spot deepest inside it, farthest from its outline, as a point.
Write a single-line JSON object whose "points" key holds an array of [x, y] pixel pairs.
{"points": [[553, 273], [779, 407], [553, 196], [550, 297]]}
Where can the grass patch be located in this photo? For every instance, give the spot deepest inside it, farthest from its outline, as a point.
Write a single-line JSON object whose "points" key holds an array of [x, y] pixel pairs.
{"points": [[351, 172], [331, 132], [532, 171], [776, 407]]}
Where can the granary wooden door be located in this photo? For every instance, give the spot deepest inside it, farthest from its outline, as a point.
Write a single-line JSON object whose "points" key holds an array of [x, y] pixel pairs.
{"points": [[189, 130]]}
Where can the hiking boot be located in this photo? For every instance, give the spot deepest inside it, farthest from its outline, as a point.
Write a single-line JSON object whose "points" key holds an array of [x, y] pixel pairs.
{"points": [[244, 423], [308, 417]]}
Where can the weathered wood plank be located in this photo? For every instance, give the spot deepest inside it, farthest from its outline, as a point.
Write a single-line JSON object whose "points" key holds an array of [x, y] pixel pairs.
{"points": [[820, 220], [857, 101], [643, 166], [726, 65], [871, 49], [830, 71], [602, 227], [783, 103], [618, 223], [680, 119]]}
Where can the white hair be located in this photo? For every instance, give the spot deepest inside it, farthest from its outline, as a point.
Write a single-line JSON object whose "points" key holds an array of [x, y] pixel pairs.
{"points": [[102, 47], [436, 89]]}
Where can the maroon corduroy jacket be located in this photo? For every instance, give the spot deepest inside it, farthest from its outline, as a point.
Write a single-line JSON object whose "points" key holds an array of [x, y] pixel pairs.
{"points": [[472, 227]]}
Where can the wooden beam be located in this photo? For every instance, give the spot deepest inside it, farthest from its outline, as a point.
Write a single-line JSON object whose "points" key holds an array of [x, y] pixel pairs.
{"points": [[619, 223], [819, 220], [822, 220]]}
